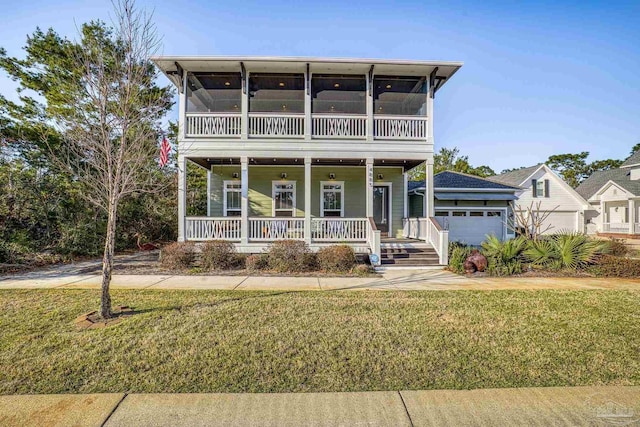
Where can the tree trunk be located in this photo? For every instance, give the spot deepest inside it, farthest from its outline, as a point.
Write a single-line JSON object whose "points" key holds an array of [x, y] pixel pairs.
{"points": [[107, 261]]}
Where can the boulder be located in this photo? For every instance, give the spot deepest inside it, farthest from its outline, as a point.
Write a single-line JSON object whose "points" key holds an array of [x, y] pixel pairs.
{"points": [[478, 260]]}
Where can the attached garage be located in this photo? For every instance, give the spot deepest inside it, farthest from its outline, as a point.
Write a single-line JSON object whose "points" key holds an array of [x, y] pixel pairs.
{"points": [[472, 226], [470, 207]]}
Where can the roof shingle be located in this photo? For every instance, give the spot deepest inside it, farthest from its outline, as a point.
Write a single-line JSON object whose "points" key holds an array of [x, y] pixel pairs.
{"points": [[515, 177]]}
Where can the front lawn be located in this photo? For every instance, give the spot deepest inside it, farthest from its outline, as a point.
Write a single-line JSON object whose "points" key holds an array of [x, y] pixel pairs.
{"points": [[218, 341]]}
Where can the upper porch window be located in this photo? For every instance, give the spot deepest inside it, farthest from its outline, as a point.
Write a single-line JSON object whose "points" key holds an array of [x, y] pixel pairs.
{"points": [[276, 93], [400, 96], [214, 93], [338, 94]]}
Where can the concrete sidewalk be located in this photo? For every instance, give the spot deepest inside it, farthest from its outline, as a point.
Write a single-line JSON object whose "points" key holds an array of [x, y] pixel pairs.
{"points": [[392, 279], [554, 406]]}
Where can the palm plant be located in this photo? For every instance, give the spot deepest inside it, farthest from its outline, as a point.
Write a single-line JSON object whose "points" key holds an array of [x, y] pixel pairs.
{"points": [[504, 257], [564, 251]]}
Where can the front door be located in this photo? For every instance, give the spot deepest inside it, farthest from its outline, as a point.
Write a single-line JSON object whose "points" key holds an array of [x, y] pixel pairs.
{"points": [[381, 208]]}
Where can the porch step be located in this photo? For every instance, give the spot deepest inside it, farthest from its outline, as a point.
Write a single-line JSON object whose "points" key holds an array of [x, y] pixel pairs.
{"points": [[408, 254]]}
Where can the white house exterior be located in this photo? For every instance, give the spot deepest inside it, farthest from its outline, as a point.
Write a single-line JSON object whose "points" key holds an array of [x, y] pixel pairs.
{"points": [[615, 199], [563, 208], [313, 149]]}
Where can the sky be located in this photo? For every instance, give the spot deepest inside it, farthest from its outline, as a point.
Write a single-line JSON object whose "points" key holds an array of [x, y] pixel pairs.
{"points": [[539, 77]]}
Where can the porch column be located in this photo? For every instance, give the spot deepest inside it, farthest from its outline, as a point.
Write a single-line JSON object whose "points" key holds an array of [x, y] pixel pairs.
{"points": [[307, 105], [429, 210], [244, 106], [307, 200], [244, 203], [603, 215], [182, 196], [632, 216], [405, 184], [209, 191], [369, 105], [369, 190]]}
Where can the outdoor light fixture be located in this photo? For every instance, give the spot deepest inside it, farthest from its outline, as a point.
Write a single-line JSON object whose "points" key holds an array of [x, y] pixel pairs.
{"points": [[380, 176], [332, 176], [235, 174], [281, 84], [283, 175], [227, 83], [337, 85], [388, 86]]}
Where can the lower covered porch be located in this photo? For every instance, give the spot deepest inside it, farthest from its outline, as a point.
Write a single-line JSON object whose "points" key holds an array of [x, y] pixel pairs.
{"points": [[620, 218], [256, 201]]}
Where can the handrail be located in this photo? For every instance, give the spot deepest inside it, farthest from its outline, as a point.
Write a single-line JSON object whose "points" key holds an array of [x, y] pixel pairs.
{"points": [[435, 223], [372, 223], [373, 237]]}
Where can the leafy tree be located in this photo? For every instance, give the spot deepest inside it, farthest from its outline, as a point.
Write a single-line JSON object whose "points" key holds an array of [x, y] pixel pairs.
{"points": [[449, 159], [99, 121], [574, 168], [635, 148]]}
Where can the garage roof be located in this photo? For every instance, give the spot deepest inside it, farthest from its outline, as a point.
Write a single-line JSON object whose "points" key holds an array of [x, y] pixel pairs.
{"points": [[474, 196], [458, 181]]}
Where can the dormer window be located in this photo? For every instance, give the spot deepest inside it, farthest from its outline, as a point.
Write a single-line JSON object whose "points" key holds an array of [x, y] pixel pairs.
{"points": [[540, 187]]}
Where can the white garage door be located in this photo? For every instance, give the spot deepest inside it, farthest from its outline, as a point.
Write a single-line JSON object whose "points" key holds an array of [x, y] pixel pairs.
{"points": [[471, 227], [559, 222]]}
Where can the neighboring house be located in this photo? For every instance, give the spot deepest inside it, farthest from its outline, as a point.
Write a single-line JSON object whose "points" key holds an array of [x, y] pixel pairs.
{"points": [[469, 207], [549, 197], [614, 196], [311, 149]]}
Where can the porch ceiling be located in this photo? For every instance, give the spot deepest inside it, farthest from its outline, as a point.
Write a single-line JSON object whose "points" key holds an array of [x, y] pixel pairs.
{"points": [[206, 162], [445, 69]]}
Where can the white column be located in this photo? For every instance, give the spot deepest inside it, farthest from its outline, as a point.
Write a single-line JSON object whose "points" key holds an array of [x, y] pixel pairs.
{"points": [[182, 109], [369, 101], [182, 196], [429, 210], [209, 191], [405, 184], [603, 215], [307, 200], [308, 124], [632, 216], [369, 189], [244, 108], [244, 204]]}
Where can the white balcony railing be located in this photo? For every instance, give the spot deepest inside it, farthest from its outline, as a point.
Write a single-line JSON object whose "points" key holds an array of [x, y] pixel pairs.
{"points": [[276, 125], [339, 229], [213, 124], [270, 229], [339, 126], [617, 227], [209, 228], [400, 127], [415, 228]]}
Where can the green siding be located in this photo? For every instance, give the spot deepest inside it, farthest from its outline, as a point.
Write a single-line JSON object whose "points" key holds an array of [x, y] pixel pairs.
{"points": [[416, 206], [354, 177]]}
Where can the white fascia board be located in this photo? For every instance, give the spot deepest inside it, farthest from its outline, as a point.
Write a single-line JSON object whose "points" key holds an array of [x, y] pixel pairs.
{"points": [[609, 184], [563, 184]]}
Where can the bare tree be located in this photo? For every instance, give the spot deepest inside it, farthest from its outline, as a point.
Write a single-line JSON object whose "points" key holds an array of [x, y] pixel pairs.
{"points": [[530, 220], [112, 128]]}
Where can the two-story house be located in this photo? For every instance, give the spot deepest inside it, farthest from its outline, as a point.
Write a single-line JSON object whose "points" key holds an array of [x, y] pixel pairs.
{"points": [[313, 149]]}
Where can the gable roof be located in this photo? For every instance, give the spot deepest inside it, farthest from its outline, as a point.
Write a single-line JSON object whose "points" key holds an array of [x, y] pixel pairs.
{"points": [[633, 159], [459, 180], [597, 180], [516, 177]]}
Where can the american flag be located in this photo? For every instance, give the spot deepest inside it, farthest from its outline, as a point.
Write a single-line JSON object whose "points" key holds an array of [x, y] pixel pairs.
{"points": [[165, 149]]}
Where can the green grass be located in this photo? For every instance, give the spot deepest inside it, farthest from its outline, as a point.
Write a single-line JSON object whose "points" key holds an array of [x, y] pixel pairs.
{"points": [[217, 341]]}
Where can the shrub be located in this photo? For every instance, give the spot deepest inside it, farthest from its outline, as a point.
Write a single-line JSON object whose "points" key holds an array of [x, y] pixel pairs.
{"points": [[458, 254], [290, 256], [504, 258], [178, 255], [219, 255], [257, 262], [611, 266], [565, 251], [362, 270], [617, 247], [337, 258]]}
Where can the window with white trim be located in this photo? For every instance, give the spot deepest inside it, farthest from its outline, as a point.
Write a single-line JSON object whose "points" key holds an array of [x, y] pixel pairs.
{"points": [[284, 198], [232, 198], [332, 198], [540, 188]]}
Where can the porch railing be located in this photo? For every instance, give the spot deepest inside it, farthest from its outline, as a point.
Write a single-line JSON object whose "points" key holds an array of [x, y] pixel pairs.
{"points": [[339, 126], [616, 227], [218, 124], [439, 239], [270, 229], [415, 228], [373, 236], [276, 125], [339, 229], [400, 127], [209, 228]]}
